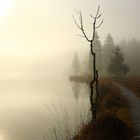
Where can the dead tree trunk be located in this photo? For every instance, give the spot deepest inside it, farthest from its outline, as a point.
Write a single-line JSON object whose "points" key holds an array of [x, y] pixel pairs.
{"points": [[94, 82]]}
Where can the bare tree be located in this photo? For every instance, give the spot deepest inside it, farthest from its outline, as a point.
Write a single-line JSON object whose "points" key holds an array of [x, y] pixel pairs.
{"points": [[94, 81]]}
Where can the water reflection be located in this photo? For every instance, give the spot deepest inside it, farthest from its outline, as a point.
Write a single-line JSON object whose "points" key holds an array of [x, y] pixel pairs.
{"points": [[76, 89], [29, 112]]}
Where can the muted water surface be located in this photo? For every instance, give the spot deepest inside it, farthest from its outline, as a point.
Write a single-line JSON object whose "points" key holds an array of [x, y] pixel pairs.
{"points": [[33, 109]]}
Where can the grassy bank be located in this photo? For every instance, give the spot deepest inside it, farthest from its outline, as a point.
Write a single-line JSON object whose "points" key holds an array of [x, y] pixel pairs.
{"points": [[133, 83], [113, 118]]}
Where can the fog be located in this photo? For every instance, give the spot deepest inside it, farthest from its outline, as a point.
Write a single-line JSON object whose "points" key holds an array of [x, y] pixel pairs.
{"points": [[37, 33], [38, 41]]}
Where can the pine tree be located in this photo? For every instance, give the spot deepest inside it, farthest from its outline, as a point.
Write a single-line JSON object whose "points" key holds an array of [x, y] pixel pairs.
{"points": [[117, 67], [107, 51], [131, 49]]}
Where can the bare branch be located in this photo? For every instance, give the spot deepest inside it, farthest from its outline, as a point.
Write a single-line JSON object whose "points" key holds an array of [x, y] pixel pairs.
{"points": [[76, 23], [81, 27], [81, 19], [78, 12], [96, 17], [81, 36], [97, 13], [99, 16], [92, 16], [100, 24], [85, 35]]}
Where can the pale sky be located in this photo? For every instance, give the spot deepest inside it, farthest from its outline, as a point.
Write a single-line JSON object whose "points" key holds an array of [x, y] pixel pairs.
{"points": [[38, 32]]}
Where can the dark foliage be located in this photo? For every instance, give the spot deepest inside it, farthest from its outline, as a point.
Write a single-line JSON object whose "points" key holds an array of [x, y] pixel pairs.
{"points": [[117, 67]]}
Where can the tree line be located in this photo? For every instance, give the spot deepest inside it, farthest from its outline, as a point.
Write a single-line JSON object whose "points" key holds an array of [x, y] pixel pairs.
{"points": [[115, 59]]}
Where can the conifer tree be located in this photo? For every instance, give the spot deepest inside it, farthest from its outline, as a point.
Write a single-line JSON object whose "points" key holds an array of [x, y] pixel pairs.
{"points": [[107, 51], [117, 66]]}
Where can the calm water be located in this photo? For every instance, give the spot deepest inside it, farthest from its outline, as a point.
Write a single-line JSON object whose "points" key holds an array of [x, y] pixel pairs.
{"points": [[34, 109]]}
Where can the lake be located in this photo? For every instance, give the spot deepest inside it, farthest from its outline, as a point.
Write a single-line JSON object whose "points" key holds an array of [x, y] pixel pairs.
{"points": [[37, 109]]}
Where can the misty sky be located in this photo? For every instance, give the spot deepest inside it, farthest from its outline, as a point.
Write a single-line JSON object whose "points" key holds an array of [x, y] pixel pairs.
{"points": [[37, 33]]}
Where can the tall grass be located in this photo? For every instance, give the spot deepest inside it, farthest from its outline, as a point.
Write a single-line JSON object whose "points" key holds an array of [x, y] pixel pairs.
{"points": [[113, 122], [67, 120]]}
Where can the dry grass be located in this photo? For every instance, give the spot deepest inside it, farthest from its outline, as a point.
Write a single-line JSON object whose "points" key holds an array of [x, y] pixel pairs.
{"points": [[133, 83], [114, 121], [107, 127]]}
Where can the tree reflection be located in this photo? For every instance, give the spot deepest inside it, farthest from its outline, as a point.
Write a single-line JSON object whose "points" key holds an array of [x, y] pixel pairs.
{"points": [[76, 87]]}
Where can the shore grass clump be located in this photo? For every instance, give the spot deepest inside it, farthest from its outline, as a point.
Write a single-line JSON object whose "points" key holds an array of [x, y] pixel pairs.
{"points": [[113, 117]]}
